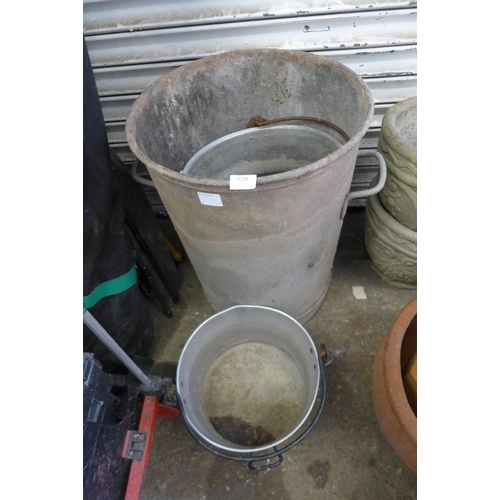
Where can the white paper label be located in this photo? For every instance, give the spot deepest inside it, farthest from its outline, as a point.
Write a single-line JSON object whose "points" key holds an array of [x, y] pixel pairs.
{"points": [[212, 199], [247, 181], [359, 292]]}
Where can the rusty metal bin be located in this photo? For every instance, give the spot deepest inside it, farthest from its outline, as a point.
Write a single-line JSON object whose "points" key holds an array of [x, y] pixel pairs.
{"points": [[272, 245]]}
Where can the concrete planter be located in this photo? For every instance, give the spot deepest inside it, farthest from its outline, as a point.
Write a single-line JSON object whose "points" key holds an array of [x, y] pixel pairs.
{"points": [[398, 145], [392, 247], [396, 418]]}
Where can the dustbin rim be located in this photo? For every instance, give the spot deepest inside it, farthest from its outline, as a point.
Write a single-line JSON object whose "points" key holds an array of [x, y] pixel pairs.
{"points": [[300, 173]]}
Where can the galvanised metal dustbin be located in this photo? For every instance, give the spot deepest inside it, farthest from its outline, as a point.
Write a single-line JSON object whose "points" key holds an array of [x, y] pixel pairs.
{"points": [[273, 244]]}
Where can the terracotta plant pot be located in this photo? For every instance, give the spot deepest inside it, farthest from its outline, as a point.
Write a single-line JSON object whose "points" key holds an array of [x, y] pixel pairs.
{"points": [[398, 145], [394, 413]]}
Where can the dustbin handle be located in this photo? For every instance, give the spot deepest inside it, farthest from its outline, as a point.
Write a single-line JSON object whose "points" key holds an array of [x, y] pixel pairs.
{"points": [[374, 190]]}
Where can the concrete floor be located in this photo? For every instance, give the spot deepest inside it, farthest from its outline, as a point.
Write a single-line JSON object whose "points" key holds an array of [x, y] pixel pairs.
{"points": [[346, 456]]}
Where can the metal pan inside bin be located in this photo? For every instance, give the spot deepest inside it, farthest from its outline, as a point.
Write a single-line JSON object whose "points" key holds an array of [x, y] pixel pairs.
{"points": [[261, 151]]}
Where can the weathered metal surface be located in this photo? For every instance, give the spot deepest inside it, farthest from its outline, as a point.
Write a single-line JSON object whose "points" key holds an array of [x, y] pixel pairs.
{"points": [[123, 15], [330, 32], [386, 91], [273, 245], [369, 141], [367, 63], [158, 36]]}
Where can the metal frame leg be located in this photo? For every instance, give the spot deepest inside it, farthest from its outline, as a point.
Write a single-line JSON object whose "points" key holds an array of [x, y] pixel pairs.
{"points": [[152, 409]]}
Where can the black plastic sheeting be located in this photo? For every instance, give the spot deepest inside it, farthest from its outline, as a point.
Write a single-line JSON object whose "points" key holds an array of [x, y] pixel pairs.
{"points": [[110, 195], [108, 247]]}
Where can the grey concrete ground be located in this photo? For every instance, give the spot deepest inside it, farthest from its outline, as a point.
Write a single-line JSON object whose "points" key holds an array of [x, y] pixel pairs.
{"points": [[346, 456]]}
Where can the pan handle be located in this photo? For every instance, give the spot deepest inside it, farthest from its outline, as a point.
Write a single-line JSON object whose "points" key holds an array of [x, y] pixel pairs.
{"points": [[374, 190]]}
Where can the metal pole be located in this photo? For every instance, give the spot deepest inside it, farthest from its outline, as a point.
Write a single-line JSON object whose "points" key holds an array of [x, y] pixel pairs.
{"points": [[110, 343]]}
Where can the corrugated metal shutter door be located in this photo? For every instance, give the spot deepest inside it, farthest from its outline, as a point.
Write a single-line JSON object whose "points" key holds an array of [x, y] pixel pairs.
{"points": [[132, 44]]}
